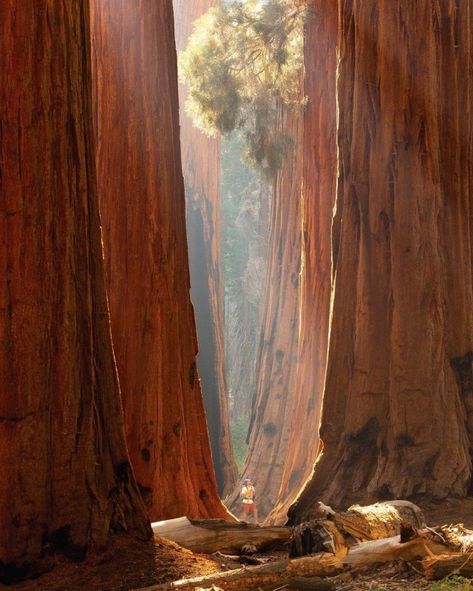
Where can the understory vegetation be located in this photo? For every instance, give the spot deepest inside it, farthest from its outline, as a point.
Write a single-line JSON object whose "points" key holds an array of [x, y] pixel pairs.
{"points": [[240, 447], [452, 583]]}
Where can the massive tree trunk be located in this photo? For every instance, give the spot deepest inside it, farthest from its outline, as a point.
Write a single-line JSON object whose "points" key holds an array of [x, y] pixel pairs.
{"points": [[201, 168], [284, 437], [319, 167], [399, 361], [66, 482], [277, 357], [245, 207], [143, 210], [245, 326]]}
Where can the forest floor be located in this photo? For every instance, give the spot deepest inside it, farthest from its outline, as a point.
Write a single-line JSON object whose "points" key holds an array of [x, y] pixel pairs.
{"points": [[124, 566], [129, 565]]}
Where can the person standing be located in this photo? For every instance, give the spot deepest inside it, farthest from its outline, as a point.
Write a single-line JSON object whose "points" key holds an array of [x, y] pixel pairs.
{"points": [[248, 497]]}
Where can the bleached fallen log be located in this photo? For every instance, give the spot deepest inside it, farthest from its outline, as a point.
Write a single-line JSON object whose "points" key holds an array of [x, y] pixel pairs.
{"points": [[212, 535], [389, 550], [457, 537]]}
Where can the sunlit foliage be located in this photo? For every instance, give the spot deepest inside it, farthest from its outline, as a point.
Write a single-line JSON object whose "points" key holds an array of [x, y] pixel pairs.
{"points": [[242, 65]]}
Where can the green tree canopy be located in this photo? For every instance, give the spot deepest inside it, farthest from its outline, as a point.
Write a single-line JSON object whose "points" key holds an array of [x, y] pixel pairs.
{"points": [[242, 65]]}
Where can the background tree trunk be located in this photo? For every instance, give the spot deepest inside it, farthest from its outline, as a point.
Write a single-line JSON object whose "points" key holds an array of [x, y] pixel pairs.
{"points": [[298, 294], [393, 419], [143, 209], [65, 478], [277, 356], [318, 153], [201, 167]]}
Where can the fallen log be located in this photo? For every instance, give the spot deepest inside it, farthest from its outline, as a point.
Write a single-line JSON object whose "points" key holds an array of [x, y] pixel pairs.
{"points": [[358, 524], [457, 557], [378, 521], [248, 579], [456, 537], [439, 567], [211, 535], [317, 536], [318, 565], [389, 550]]}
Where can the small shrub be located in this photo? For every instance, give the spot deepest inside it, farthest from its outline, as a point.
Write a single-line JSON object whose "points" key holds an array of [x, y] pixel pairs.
{"points": [[452, 583]]}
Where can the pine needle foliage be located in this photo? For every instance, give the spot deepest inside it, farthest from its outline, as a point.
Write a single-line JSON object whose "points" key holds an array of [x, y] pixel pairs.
{"points": [[242, 66]]}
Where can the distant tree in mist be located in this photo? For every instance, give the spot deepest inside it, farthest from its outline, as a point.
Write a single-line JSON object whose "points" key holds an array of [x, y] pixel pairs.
{"points": [[242, 64]]}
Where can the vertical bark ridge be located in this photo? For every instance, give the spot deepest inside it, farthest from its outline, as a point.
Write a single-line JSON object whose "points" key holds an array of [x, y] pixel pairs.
{"points": [[201, 167], [277, 358], [393, 420], [66, 484], [318, 154], [143, 210]]}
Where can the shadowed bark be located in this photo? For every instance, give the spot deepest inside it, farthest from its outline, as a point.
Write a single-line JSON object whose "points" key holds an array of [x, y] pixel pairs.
{"points": [[65, 480], [201, 167], [142, 203], [394, 417]]}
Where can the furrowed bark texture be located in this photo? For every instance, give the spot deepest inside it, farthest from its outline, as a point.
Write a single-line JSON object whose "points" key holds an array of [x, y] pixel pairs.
{"points": [[244, 311], [319, 164], [201, 168], [66, 484], [272, 409], [398, 383], [284, 436], [143, 210]]}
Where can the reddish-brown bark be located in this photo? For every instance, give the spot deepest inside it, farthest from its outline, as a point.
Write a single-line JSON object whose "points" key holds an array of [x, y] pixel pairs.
{"points": [[143, 210], [246, 307], [398, 385], [277, 357], [319, 167], [284, 432], [65, 479], [201, 168]]}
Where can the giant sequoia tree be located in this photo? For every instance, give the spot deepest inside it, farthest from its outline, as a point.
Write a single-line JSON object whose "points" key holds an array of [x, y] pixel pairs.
{"points": [[397, 397], [143, 212], [397, 393], [244, 67], [277, 355], [201, 168], [66, 484], [318, 168], [283, 439]]}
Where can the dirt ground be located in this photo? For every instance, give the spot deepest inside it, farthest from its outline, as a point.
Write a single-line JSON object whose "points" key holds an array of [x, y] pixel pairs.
{"points": [[130, 565], [125, 566]]}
